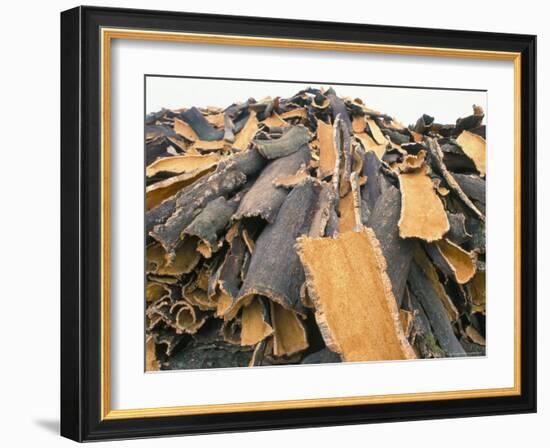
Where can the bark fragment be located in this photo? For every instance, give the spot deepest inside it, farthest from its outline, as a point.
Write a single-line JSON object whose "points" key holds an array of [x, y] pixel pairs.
{"points": [[264, 198], [291, 141], [361, 289], [422, 213]]}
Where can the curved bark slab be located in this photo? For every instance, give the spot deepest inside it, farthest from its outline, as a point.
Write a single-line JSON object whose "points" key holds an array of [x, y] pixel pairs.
{"points": [[473, 186], [211, 221], [291, 141], [186, 131], [422, 213], [275, 270], [355, 307], [248, 163], [435, 311], [184, 261], [182, 164], [158, 192], [397, 251], [200, 125], [452, 260], [289, 335], [264, 198], [429, 270], [255, 322], [228, 178], [474, 147], [245, 136]]}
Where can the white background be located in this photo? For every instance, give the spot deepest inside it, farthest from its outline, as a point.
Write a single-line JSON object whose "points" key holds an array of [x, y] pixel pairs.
{"points": [[30, 130], [131, 387]]}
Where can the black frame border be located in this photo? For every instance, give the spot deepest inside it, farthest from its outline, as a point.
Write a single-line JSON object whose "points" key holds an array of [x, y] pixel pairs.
{"points": [[81, 224]]}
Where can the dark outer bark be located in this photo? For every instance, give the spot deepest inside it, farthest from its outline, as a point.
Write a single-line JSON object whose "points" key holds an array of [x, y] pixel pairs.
{"points": [[264, 199], [467, 123], [204, 356], [339, 107], [275, 270], [396, 136], [371, 168], [176, 213], [472, 185], [424, 124], [229, 128], [201, 126], [457, 232], [435, 311], [291, 141], [229, 276], [169, 233], [397, 251], [214, 218], [471, 348], [323, 356], [436, 159], [424, 339]]}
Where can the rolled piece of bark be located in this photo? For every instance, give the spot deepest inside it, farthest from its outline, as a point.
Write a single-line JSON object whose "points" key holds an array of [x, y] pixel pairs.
{"points": [[169, 233], [158, 192], [291, 141], [189, 202], [435, 311], [275, 270], [422, 213], [211, 221], [184, 261], [397, 251], [452, 260], [474, 147], [355, 309], [264, 198], [247, 163], [200, 125]]}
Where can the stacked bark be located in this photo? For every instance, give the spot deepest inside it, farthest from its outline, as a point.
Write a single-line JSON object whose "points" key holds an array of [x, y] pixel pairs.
{"points": [[312, 229]]}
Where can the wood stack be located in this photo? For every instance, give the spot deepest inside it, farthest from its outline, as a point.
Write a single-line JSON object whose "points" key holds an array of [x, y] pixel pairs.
{"points": [[312, 229]]}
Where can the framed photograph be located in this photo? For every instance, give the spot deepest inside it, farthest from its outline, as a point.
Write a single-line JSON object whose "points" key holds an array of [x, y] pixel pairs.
{"points": [[276, 224]]}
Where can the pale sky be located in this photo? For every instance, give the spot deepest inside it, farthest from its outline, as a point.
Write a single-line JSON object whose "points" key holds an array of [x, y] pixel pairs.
{"points": [[405, 104]]}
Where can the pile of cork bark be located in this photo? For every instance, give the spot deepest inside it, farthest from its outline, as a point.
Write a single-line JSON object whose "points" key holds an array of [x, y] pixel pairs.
{"points": [[312, 229]]}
